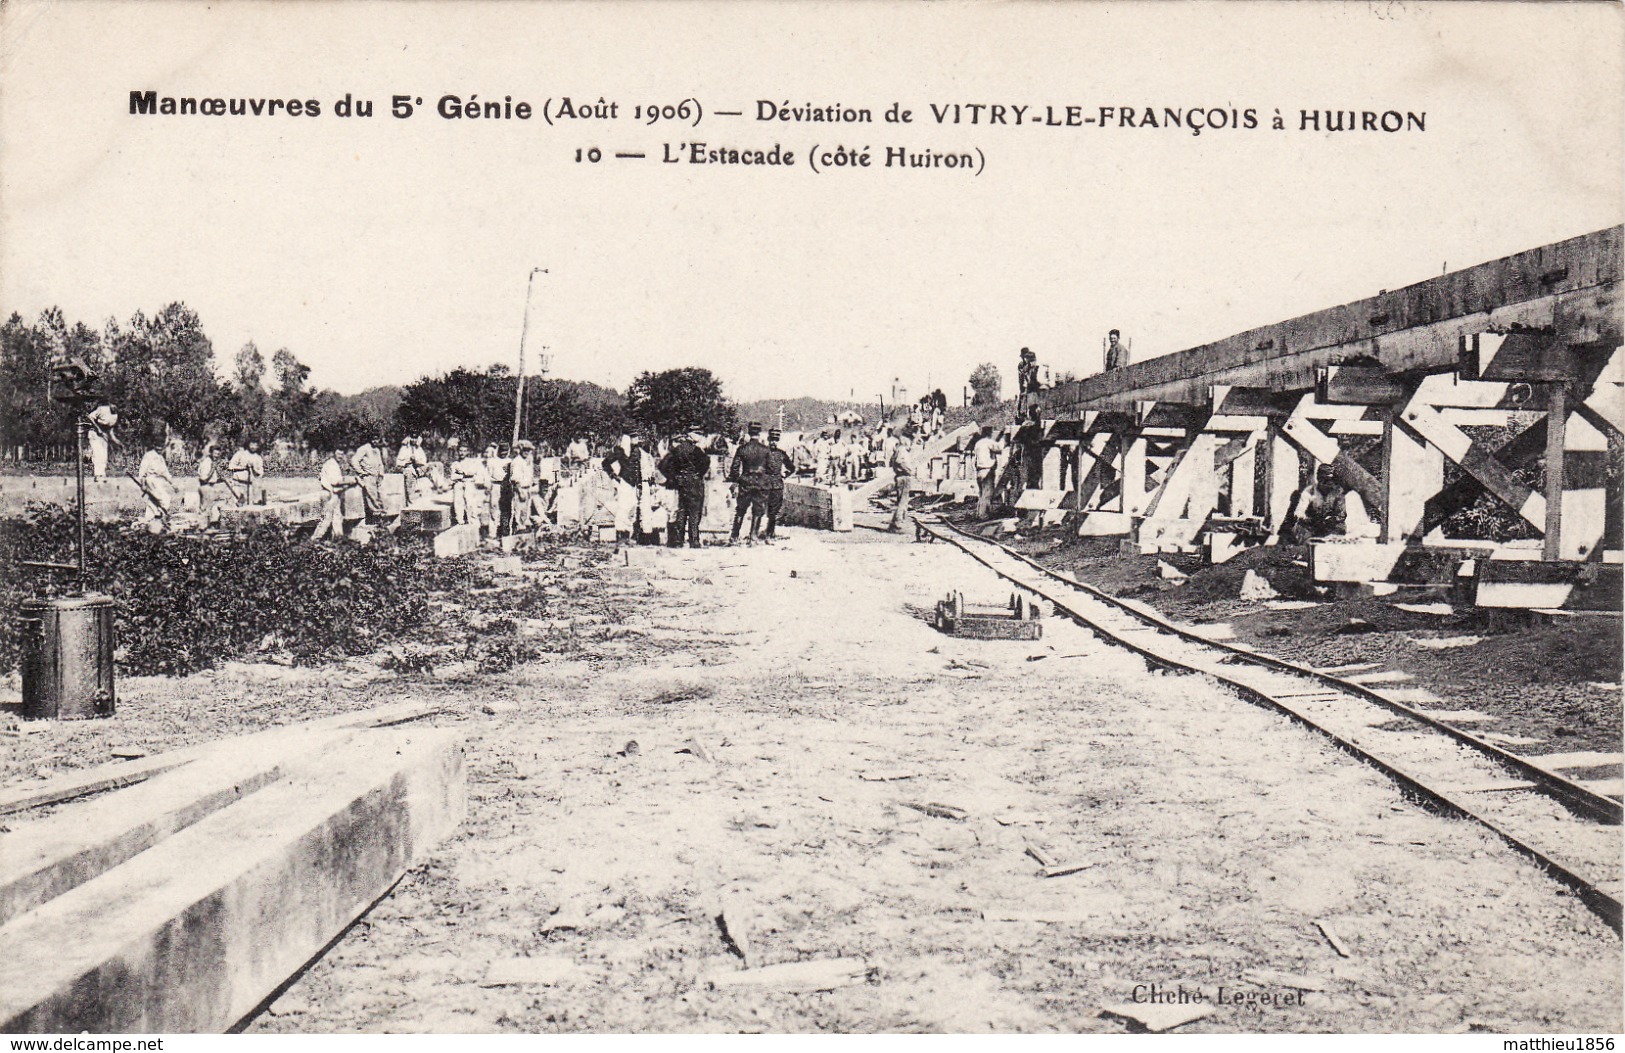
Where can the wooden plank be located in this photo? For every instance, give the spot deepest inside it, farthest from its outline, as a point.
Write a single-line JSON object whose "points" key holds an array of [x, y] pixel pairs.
{"points": [[822, 974], [1531, 356], [1415, 328], [1576, 759], [1354, 561], [1157, 1017], [1333, 938], [1359, 385], [127, 773], [1520, 595], [1557, 416], [193, 934], [1325, 449], [1385, 676], [1522, 448], [79, 843]]}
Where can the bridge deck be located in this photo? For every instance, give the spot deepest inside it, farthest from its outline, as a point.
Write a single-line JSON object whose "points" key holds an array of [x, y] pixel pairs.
{"points": [[1573, 286]]}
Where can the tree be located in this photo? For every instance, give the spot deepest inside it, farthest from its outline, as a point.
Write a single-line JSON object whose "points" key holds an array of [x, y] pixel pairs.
{"points": [[985, 384], [250, 368], [28, 416], [475, 407], [336, 421], [163, 370], [247, 395], [678, 400], [291, 403]]}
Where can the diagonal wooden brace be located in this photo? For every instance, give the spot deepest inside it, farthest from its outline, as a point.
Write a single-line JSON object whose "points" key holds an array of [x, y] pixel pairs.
{"points": [[1298, 430], [1427, 424]]}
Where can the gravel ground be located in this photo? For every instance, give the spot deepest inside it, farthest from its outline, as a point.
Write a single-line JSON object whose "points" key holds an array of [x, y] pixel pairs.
{"points": [[789, 706], [1556, 682]]}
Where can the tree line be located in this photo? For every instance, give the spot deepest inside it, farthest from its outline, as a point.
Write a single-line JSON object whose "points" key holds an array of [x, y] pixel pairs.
{"points": [[162, 368]]}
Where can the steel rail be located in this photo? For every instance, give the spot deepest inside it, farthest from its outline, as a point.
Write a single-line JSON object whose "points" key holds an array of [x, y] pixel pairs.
{"points": [[1604, 903]]}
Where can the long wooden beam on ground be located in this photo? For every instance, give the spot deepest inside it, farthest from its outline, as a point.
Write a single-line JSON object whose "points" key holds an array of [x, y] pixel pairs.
{"points": [[77, 844], [195, 933], [127, 773]]}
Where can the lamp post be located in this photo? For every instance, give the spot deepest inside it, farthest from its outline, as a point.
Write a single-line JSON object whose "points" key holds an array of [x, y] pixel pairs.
{"points": [[524, 330]]}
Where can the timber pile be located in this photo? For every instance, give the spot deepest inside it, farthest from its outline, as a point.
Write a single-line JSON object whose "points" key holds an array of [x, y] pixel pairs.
{"points": [[817, 507], [307, 508], [183, 903]]}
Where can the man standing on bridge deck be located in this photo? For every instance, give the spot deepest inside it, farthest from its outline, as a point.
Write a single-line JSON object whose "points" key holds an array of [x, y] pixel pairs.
{"points": [[1116, 352], [749, 476], [778, 468], [685, 468]]}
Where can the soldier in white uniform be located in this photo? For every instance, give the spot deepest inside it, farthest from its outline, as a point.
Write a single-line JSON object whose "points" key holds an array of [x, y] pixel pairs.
{"points": [[333, 485], [102, 421], [156, 483], [246, 467]]}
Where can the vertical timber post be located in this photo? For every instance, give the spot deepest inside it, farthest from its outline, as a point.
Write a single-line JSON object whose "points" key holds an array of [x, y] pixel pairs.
{"points": [[1133, 474], [1413, 471], [1556, 428]]}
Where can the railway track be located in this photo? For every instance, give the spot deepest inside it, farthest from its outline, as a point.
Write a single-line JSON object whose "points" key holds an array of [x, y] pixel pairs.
{"points": [[1568, 829]]}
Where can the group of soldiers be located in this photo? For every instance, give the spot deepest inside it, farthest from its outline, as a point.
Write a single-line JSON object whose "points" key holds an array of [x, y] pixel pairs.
{"points": [[498, 489], [232, 481], [758, 472], [495, 489]]}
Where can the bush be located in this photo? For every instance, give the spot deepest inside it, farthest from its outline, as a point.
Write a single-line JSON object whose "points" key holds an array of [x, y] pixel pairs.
{"points": [[188, 603]]}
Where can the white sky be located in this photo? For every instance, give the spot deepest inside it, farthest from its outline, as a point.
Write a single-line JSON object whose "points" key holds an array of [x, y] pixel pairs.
{"points": [[378, 250]]}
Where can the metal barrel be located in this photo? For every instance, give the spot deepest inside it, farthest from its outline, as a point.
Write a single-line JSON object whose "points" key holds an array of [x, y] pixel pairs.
{"points": [[67, 657]]}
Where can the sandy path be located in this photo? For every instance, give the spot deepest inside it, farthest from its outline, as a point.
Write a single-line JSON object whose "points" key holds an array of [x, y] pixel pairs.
{"points": [[1217, 834]]}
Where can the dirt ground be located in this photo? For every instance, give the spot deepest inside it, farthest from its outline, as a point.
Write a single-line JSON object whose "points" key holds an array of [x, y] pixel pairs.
{"points": [[790, 705]]}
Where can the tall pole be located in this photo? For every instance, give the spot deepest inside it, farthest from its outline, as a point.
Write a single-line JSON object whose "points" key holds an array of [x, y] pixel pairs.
{"points": [[79, 428], [524, 330]]}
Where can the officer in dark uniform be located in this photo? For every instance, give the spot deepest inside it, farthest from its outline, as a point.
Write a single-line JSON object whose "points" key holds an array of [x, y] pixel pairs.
{"points": [[685, 468], [748, 473], [779, 468], [625, 462]]}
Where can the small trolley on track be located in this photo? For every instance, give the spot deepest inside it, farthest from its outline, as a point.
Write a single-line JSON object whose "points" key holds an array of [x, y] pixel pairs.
{"points": [[1020, 619]]}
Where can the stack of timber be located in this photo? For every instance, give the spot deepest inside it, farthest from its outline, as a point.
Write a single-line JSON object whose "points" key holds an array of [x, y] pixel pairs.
{"points": [[391, 491], [306, 508], [817, 507], [184, 902]]}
